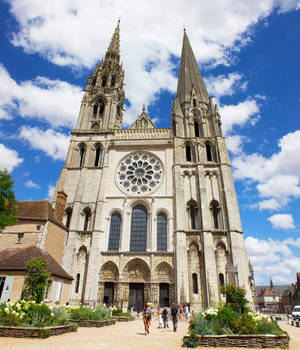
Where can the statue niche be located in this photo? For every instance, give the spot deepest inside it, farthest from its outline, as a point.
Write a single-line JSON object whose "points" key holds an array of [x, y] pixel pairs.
{"points": [[164, 273], [137, 271]]}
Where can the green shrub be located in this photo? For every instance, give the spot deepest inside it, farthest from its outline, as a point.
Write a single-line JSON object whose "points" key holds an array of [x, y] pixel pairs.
{"points": [[268, 327], [84, 313], [61, 316], [117, 312], [191, 341], [245, 325], [227, 316]]}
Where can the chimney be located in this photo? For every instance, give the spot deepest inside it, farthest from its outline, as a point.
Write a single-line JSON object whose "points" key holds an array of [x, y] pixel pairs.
{"points": [[60, 206]]}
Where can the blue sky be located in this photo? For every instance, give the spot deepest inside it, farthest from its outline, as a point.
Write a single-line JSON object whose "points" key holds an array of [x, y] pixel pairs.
{"points": [[248, 53]]}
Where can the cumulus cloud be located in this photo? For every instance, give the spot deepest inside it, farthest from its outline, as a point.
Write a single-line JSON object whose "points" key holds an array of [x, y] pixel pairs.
{"points": [[31, 184], [282, 221], [54, 101], [223, 85], [9, 158], [278, 176], [51, 189], [67, 33], [234, 143], [240, 114], [53, 143], [273, 258]]}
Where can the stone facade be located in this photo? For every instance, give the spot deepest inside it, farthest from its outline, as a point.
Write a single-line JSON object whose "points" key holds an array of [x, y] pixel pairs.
{"points": [[152, 213]]}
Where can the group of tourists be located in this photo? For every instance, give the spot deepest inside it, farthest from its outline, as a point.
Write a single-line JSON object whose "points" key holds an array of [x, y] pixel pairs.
{"points": [[163, 314]]}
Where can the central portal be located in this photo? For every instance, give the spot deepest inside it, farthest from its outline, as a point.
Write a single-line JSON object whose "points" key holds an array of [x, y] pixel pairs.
{"points": [[136, 296]]}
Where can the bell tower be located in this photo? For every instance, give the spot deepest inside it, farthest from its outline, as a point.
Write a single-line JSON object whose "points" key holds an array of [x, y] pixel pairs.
{"points": [[102, 104]]}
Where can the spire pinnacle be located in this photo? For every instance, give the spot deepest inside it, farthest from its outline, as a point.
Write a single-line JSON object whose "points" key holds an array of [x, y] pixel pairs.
{"points": [[114, 46], [189, 75]]}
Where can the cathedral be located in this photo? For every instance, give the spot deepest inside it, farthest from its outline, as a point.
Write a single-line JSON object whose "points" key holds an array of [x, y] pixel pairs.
{"points": [[151, 213]]}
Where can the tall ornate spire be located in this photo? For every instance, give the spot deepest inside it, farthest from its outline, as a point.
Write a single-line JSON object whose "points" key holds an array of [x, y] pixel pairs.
{"points": [[114, 46], [189, 75]]}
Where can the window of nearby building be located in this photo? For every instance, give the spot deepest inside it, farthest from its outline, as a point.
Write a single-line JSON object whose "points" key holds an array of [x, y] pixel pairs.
{"points": [[77, 283], [195, 283], [47, 290], [221, 279], [215, 214], [161, 232], [138, 236], [87, 216], [20, 237], [38, 228], [114, 232], [188, 153], [81, 154], [97, 156], [2, 282], [193, 217], [196, 126]]}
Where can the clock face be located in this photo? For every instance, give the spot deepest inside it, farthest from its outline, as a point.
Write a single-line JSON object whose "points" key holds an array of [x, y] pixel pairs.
{"points": [[139, 173]]}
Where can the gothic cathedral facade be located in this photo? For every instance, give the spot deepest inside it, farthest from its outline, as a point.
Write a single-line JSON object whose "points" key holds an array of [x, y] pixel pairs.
{"points": [[152, 213]]}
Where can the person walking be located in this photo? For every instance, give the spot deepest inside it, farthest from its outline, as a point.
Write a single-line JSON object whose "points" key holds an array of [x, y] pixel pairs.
{"points": [[147, 314], [186, 313], [165, 317], [159, 316], [174, 314]]}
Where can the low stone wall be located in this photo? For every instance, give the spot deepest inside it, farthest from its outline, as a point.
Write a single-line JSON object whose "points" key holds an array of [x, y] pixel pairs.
{"points": [[123, 318], [245, 341], [93, 323], [35, 332]]}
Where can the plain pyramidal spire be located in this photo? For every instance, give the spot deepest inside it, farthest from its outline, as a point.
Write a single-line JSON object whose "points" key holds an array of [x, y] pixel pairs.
{"points": [[189, 75]]}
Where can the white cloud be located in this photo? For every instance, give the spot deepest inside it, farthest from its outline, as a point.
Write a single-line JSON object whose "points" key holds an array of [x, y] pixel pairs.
{"points": [[221, 85], [51, 189], [31, 184], [270, 204], [273, 258], [9, 158], [239, 114], [234, 143], [53, 101], [282, 221], [277, 177], [68, 33], [53, 143]]}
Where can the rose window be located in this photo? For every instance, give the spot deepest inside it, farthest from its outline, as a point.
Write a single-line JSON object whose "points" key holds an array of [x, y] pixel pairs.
{"points": [[139, 173]]}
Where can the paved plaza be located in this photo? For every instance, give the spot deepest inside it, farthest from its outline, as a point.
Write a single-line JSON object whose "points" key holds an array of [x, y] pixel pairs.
{"points": [[122, 336]]}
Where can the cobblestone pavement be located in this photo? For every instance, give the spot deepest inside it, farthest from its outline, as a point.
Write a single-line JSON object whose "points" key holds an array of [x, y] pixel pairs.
{"points": [[122, 336]]}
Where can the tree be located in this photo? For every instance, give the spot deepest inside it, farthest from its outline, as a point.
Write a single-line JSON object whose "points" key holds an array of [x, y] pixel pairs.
{"points": [[235, 297], [37, 279], [8, 205]]}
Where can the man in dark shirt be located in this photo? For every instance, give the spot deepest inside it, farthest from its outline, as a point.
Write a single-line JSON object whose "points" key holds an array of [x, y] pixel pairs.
{"points": [[174, 314]]}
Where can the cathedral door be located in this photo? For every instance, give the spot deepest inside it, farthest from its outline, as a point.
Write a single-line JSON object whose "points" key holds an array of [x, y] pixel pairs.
{"points": [[136, 296], [108, 293], [164, 294]]}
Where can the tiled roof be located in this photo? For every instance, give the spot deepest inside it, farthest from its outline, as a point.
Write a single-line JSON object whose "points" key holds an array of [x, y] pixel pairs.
{"points": [[278, 288], [37, 210], [16, 259]]}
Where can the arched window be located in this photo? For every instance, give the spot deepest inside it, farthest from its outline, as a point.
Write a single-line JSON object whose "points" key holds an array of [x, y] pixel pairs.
{"points": [[221, 279], [188, 153], [81, 155], [77, 283], [97, 155], [195, 283], [174, 127], [194, 102], [161, 232], [208, 152], [87, 216], [68, 213], [113, 81], [138, 236], [215, 214], [104, 79], [101, 108], [114, 232], [196, 127], [118, 111], [193, 217], [95, 109]]}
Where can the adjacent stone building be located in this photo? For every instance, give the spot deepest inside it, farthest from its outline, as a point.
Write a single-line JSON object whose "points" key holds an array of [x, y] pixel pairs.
{"points": [[152, 213]]}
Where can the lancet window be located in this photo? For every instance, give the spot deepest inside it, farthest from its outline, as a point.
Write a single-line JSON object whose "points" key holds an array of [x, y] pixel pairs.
{"points": [[161, 232], [138, 235], [114, 232]]}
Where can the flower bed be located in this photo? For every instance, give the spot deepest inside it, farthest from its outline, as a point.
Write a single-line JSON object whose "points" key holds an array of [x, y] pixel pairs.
{"points": [[93, 323], [35, 332], [234, 325], [236, 340], [123, 318]]}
